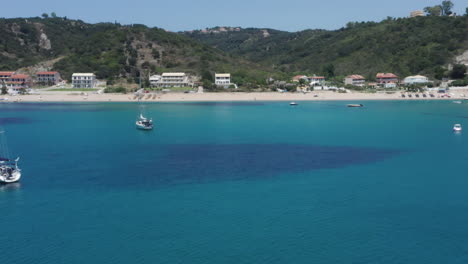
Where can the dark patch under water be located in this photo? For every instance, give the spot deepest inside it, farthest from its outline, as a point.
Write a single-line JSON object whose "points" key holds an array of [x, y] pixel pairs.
{"points": [[160, 165], [15, 120], [47, 106], [222, 103]]}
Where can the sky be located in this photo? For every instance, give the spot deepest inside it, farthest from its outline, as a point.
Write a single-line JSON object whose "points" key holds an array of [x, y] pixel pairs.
{"points": [[180, 15]]}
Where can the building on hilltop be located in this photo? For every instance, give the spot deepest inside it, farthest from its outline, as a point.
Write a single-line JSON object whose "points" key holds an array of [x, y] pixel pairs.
{"points": [[83, 80], [48, 78], [223, 79], [417, 13], [355, 79], [415, 79]]}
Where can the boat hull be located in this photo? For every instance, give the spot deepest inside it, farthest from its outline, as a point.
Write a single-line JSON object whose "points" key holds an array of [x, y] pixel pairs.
{"points": [[143, 126], [15, 177]]}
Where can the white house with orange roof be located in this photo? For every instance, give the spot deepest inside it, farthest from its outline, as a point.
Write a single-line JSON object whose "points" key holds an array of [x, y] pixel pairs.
{"points": [[316, 80], [297, 78]]}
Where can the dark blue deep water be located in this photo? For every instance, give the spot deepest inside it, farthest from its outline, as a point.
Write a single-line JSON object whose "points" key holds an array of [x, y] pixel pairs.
{"points": [[258, 182]]}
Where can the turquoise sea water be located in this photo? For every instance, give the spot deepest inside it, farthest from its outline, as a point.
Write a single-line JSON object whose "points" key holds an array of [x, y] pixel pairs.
{"points": [[255, 182]]}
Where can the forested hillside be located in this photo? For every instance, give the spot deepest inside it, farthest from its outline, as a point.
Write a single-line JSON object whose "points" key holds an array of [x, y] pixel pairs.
{"points": [[405, 46], [112, 50]]}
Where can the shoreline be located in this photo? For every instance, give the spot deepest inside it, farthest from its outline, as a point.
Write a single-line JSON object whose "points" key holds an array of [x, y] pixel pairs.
{"points": [[220, 97]]}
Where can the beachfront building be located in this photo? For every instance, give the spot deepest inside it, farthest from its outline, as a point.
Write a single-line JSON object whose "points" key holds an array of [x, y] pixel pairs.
{"points": [[355, 80], [83, 80], [173, 79], [154, 80], [386, 79], [223, 79], [297, 78], [48, 78], [5, 75], [417, 13], [415, 79], [16, 82], [317, 80]]}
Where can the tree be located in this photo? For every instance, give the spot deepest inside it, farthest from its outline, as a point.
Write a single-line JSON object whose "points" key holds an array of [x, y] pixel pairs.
{"points": [[439, 73], [302, 81], [433, 10], [446, 7], [53, 14], [4, 89], [466, 11], [458, 71], [329, 70], [45, 15]]}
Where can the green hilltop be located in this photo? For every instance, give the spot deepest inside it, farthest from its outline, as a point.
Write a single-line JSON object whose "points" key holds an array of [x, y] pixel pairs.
{"points": [[405, 46], [113, 51]]}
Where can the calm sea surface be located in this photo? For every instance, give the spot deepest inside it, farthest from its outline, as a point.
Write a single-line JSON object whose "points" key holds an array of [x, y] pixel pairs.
{"points": [[258, 182]]}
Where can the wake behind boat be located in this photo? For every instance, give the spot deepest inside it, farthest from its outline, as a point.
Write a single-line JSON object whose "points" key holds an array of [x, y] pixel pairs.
{"points": [[144, 123], [9, 170]]}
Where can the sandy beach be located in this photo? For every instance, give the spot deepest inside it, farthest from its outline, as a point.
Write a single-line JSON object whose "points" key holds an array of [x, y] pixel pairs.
{"points": [[239, 96]]}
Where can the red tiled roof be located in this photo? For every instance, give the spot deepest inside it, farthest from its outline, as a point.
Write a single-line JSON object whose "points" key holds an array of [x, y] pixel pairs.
{"points": [[317, 77], [20, 76], [356, 77], [6, 72], [386, 75], [46, 72], [14, 82]]}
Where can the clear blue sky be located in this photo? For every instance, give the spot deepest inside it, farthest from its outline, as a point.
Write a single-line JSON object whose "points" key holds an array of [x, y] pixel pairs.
{"points": [[177, 15]]}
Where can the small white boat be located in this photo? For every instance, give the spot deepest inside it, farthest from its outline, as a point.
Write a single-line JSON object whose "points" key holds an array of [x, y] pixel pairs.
{"points": [[9, 170], [355, 105], [457, 128], [144, 123], [457, 102], [293, 103]]}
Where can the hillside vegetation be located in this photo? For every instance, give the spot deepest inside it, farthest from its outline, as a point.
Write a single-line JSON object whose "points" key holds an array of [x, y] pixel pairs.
{"points": [[113, 51], [405, 46]]}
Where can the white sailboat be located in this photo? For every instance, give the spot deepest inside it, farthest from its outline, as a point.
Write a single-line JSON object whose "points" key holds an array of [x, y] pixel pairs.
{"points": [[144, 123], [9, 170]]}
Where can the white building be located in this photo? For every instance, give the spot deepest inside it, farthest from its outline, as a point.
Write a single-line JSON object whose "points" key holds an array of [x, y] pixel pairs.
{"points": [[316, 80], [223, 79], [173, 79], [154, 80], [415, 79], [356, 80], [83, 80]]}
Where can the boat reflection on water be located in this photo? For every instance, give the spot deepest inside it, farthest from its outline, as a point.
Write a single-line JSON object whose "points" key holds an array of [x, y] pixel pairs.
{"points": [[15, 186]]}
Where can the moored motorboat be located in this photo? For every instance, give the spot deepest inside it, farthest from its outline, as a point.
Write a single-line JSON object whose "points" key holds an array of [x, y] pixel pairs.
{"points": [[293, 103], [457, 128], [355, 105]]}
